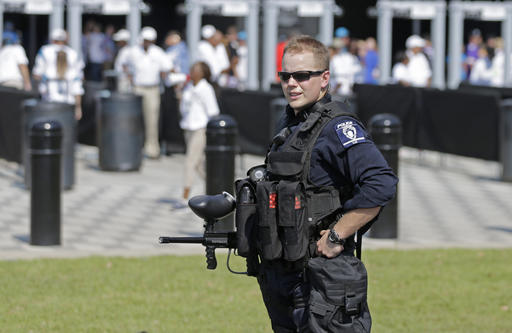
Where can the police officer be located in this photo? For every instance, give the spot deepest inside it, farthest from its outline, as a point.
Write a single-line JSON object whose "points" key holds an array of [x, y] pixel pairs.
{"points": [[325, 291]]}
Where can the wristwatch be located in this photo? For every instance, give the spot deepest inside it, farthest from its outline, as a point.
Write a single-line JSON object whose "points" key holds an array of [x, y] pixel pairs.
{"points": [[335, 238]]}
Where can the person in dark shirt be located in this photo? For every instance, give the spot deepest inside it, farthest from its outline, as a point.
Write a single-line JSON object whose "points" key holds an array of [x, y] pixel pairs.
{"points": [[342, 156]]}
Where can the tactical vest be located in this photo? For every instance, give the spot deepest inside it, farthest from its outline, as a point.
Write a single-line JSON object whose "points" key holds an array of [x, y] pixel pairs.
{"points": [[289, 209]]}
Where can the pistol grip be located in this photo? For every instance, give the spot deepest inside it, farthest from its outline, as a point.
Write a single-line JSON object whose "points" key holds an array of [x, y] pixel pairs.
{"points": [[211, 261]]}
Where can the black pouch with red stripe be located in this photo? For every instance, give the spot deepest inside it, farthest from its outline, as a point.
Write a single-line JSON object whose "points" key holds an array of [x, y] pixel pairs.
{"points": [[292, 221], [268, 243]]}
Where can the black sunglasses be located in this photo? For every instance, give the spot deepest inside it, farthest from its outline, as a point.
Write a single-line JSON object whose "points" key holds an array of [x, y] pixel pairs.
{"points": [[299, 76]]}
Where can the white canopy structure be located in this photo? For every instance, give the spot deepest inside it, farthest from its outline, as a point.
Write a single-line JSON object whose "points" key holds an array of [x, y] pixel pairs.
{"points": [[248, 9], [53, 8], [414, 10], [483, 11]]}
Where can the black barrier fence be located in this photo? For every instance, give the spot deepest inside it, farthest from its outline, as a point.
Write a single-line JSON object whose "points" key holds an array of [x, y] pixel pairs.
{"points": [[450, 121], [464, 122]]}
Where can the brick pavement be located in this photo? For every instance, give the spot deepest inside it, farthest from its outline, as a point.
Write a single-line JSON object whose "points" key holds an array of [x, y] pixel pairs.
{"points": [[444, 201]]}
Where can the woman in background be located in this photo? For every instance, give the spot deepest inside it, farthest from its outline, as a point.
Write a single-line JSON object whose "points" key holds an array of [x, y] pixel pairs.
{"points": [[198, 105]]}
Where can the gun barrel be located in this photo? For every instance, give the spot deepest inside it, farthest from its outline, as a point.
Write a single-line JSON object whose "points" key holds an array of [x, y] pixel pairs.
{"points": [[186, 240]]}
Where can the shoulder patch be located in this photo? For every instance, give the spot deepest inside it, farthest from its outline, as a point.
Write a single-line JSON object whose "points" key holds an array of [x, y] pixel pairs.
{"points": [[349, 132]]}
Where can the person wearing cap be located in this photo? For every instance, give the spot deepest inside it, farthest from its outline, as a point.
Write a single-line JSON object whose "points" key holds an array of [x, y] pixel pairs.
{"points": [[344, 65], [146, 65], [474, 43], [59, 70], [213, 52], [122, 37], [418, 68], [13, 63]]}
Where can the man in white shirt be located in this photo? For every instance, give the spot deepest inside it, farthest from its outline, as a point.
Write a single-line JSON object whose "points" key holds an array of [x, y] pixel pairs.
{"points": [[419, 71], [122, 37], [13, 64], [59, 70], [213, 52], [344, 65], [148, 64]]}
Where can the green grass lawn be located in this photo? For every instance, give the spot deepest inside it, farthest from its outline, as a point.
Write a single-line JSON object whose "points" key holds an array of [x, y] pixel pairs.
{"points": [[409, 291]]}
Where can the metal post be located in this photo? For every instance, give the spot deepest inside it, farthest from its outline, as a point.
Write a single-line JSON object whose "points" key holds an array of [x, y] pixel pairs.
{"points": [[252, 45], [271, 11], [45, 193], [456, 40], [438, 27], [133, 21], [386, 131], [194, 13], [327, 23], [1, 22], [506, 29], [221, 133], [384, 32], [74, 24], [56, 20]]}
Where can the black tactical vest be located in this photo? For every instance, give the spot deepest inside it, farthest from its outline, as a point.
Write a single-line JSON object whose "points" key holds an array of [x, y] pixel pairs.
{"points": [[290, 209]]}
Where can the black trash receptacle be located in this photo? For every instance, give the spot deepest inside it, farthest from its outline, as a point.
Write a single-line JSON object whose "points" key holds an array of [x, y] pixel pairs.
{"points": [[45, 140], [120, 131], [386, 132], [506, 140], [40, 111], [221, 147]]}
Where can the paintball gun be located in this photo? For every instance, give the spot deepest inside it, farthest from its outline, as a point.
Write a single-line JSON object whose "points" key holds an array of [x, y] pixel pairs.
{"points": [[210, 208]]}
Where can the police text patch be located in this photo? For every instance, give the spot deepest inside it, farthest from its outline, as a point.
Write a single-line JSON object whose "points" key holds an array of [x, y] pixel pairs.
{"points": [[349, 133]]}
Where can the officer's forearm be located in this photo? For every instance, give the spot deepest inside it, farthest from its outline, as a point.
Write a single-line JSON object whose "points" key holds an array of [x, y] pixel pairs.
{"points": [[354, 220]]}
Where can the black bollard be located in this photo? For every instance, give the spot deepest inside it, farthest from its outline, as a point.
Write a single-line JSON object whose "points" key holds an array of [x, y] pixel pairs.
{"points": [[506, 140], [41, 111], [386, 132], [120, 131], [221, 136], [45, 154]]}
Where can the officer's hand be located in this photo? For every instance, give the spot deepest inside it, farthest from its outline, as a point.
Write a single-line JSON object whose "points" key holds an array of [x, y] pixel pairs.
{"points": [[326, 248]]}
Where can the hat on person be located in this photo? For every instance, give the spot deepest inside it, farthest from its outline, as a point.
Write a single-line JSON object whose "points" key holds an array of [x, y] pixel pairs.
{"points": [[341, 32], [208, 31], [121, 35], [476, 32], [59, 34], [242, 35], [414, 41], [148, 33]]}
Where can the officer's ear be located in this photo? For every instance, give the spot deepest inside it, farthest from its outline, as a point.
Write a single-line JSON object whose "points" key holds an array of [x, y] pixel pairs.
{"points": [[325, 77]]}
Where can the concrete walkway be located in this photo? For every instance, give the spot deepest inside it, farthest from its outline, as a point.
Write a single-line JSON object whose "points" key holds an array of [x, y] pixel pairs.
{"points": [[444, 201]]}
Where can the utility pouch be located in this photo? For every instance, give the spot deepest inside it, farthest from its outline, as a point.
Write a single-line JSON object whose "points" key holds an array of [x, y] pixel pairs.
{"points": [[286, 164], [268, 244], [337, 301], [322, 202], [293, 228], [246, 217]]}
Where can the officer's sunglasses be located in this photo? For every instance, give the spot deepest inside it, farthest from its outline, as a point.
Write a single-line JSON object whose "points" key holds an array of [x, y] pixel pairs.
{"points": [[299, 76]]}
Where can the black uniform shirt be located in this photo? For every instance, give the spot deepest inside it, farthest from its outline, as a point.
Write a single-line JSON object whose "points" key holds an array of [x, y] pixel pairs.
{"points": [[344, 154]]}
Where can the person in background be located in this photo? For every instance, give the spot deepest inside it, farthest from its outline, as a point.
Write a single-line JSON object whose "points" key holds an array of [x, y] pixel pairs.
{"points": [[14, 63], [242, 68], [59, 70], [213, 52], [146, 65], [96, 53], [109, 47], [481, 73], [475, 40], [371, 61], [122, 37], [344, 65], [198, 105], [400, 73], [177, 51], [418, 67]]}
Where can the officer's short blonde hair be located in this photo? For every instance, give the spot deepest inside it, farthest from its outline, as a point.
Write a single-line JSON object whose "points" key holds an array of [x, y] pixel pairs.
{"points": [[306, 43]]}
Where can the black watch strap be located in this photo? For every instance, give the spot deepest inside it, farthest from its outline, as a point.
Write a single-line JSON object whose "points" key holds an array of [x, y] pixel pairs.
{"points": [[335, 238]]}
